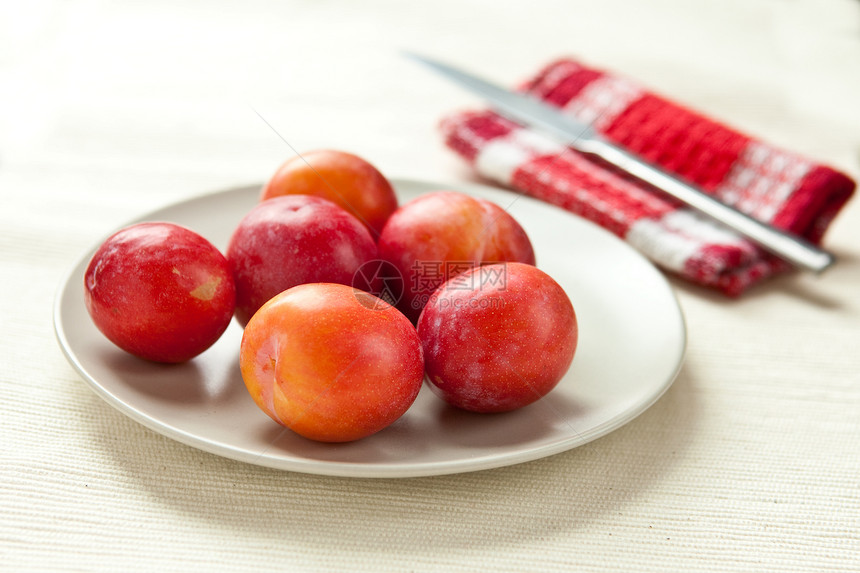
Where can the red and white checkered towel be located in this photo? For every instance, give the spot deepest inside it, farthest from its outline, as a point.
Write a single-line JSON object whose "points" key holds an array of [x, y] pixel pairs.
{"points": [[770, 184]]}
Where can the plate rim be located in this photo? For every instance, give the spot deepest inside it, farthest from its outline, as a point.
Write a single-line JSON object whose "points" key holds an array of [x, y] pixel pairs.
{"points": [[350, 468]]}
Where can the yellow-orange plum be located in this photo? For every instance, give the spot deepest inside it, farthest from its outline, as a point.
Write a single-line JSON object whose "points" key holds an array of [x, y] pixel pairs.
{"points": [[330, 362]]}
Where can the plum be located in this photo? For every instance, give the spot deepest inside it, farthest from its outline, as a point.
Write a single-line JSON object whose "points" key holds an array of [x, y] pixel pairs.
{"points": [[346, 179], [292, 240], [159, 291], [438, 235], [498, 337], [330, 362]]}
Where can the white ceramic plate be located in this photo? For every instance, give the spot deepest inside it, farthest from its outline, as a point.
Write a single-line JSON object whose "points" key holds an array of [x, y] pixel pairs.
{"points": [[631, 345]]}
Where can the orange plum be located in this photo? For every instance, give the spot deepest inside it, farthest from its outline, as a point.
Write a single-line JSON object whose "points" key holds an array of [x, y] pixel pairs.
{"points": [[344, 178], [332, 363]]}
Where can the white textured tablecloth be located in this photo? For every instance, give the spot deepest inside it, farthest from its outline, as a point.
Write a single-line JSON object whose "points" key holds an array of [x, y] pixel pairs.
{"points": [[750, 462]]}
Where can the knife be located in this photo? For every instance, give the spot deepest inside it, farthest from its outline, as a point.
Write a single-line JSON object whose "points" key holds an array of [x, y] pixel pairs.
{"points": [[580, 136]]}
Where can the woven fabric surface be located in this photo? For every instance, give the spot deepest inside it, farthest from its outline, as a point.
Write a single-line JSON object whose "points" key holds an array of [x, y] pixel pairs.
{"points": [[767, 183]]}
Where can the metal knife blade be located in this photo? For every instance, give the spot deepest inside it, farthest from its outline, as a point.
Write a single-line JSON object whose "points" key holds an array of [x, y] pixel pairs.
{"points": [[582, 137]]}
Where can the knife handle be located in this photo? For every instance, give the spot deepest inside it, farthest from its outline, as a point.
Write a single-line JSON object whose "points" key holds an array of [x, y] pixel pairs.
{"points": [[786, 246]]}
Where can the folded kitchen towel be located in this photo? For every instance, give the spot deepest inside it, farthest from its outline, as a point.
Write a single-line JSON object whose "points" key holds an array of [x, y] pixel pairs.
{"points": [[773, 185]]}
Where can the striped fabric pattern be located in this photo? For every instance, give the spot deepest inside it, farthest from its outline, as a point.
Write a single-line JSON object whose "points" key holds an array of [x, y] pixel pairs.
{"points": [[768, 183]]}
